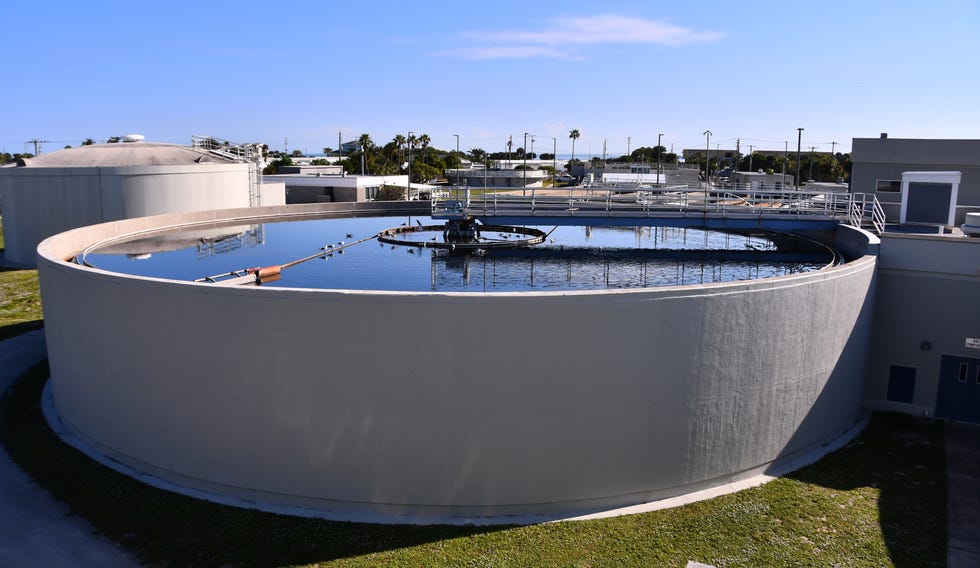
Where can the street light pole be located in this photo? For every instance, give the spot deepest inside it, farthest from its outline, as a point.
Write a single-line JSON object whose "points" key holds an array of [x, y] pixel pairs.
{"points": [[799, 138], [707, 165], [524, 187], [408, 190], [459, 166], [707, 155], [812, 148], [554, 163], [659, 136], [785, 159]]}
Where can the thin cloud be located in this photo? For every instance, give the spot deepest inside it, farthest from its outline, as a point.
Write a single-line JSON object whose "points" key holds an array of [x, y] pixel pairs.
{"points": [[563, 38]]}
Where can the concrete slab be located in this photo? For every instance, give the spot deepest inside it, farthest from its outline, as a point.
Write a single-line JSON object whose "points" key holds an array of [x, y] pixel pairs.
{"points": [[36, 529], [963, 494]]}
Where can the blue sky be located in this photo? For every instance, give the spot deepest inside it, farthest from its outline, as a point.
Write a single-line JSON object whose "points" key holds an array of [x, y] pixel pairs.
{"points": [[266, 71]]}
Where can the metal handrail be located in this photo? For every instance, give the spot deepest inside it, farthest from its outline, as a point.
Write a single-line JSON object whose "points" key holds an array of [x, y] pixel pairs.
{"points": [[610, 200]]}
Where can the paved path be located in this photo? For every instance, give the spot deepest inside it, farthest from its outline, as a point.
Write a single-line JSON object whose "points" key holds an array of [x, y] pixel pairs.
{"points": [[963, 495], [35, 529]]}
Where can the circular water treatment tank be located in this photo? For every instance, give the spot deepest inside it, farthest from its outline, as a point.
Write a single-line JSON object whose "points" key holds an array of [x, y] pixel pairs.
{"points": [[443, 403]]}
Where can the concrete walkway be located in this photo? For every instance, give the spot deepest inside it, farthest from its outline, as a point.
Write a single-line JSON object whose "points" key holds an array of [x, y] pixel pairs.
{"points": [[35, 529], [963, 495]]}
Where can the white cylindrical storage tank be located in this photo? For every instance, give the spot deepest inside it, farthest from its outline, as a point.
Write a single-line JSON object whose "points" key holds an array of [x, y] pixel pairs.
{"points": [[81, 186], [433, 407]]}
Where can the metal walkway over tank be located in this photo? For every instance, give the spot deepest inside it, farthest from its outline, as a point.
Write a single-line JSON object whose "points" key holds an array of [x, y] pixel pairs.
{"points": [[730, 207]]}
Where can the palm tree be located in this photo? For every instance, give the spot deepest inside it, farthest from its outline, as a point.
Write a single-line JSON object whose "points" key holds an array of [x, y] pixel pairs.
{"points": [[424, 141], [365, 142], [574, 135], [399, 141]]}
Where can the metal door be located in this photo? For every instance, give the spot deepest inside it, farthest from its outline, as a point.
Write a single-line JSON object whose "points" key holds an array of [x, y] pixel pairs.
{"points": [[959, 389]]}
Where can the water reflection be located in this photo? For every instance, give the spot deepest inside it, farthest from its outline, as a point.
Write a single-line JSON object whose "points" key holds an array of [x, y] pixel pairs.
{"points": [[341, 254]]}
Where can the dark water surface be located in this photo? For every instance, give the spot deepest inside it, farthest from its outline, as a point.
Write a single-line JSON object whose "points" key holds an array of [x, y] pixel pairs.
{"points": [[572, 258]]}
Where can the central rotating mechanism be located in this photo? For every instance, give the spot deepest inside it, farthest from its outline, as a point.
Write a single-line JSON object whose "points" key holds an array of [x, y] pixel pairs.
{"points": [[462, 234]]}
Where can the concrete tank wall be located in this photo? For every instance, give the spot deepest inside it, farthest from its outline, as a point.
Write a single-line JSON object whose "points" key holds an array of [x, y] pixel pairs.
{"points": [[439, 406], [39, 202]]}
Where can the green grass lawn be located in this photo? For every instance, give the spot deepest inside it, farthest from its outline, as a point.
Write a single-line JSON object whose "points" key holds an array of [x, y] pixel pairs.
{"points": [[880, 501], [20, 299]]}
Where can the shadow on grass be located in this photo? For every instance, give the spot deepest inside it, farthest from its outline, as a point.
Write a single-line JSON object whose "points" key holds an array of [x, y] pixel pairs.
{"points": [[163, 527], [15, 329], [904, 458]]}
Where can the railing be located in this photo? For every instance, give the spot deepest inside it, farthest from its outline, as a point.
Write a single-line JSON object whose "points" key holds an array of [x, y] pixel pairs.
{"points": [[633, 201], [226, 149]]}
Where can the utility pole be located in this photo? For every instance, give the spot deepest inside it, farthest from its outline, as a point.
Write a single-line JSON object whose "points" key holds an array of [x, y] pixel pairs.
{"points": [[37, 145], [285, 146], [750, 159], [799, 138], [628, 141]]}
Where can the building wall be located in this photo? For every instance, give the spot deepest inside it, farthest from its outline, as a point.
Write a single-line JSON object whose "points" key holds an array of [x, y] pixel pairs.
{"points": [[305, 189], [436, 406], [928, 304], [497, 178], [39, 202], [886, 158], [272, 194]]}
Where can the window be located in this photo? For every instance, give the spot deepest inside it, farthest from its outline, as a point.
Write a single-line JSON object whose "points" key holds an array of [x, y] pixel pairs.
{"points": [[888, 185], [963, 370], [371, 193], [901, 384]]}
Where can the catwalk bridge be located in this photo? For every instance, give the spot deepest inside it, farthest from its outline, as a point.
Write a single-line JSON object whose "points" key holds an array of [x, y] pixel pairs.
{"points": [[730, 207]]}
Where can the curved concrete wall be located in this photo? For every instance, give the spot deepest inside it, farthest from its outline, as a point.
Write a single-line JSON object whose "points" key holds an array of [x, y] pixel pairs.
{"points": [[438, 406], [39, 202]]}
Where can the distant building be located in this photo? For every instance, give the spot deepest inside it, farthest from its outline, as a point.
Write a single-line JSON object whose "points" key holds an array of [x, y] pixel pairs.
{"points": [[477, 177], [350, 147], [308, 169], [688, 153], [317, 187]]}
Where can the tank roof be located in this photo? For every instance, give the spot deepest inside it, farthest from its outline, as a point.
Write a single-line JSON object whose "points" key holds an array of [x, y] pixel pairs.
{"points": [[122, 154]]}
